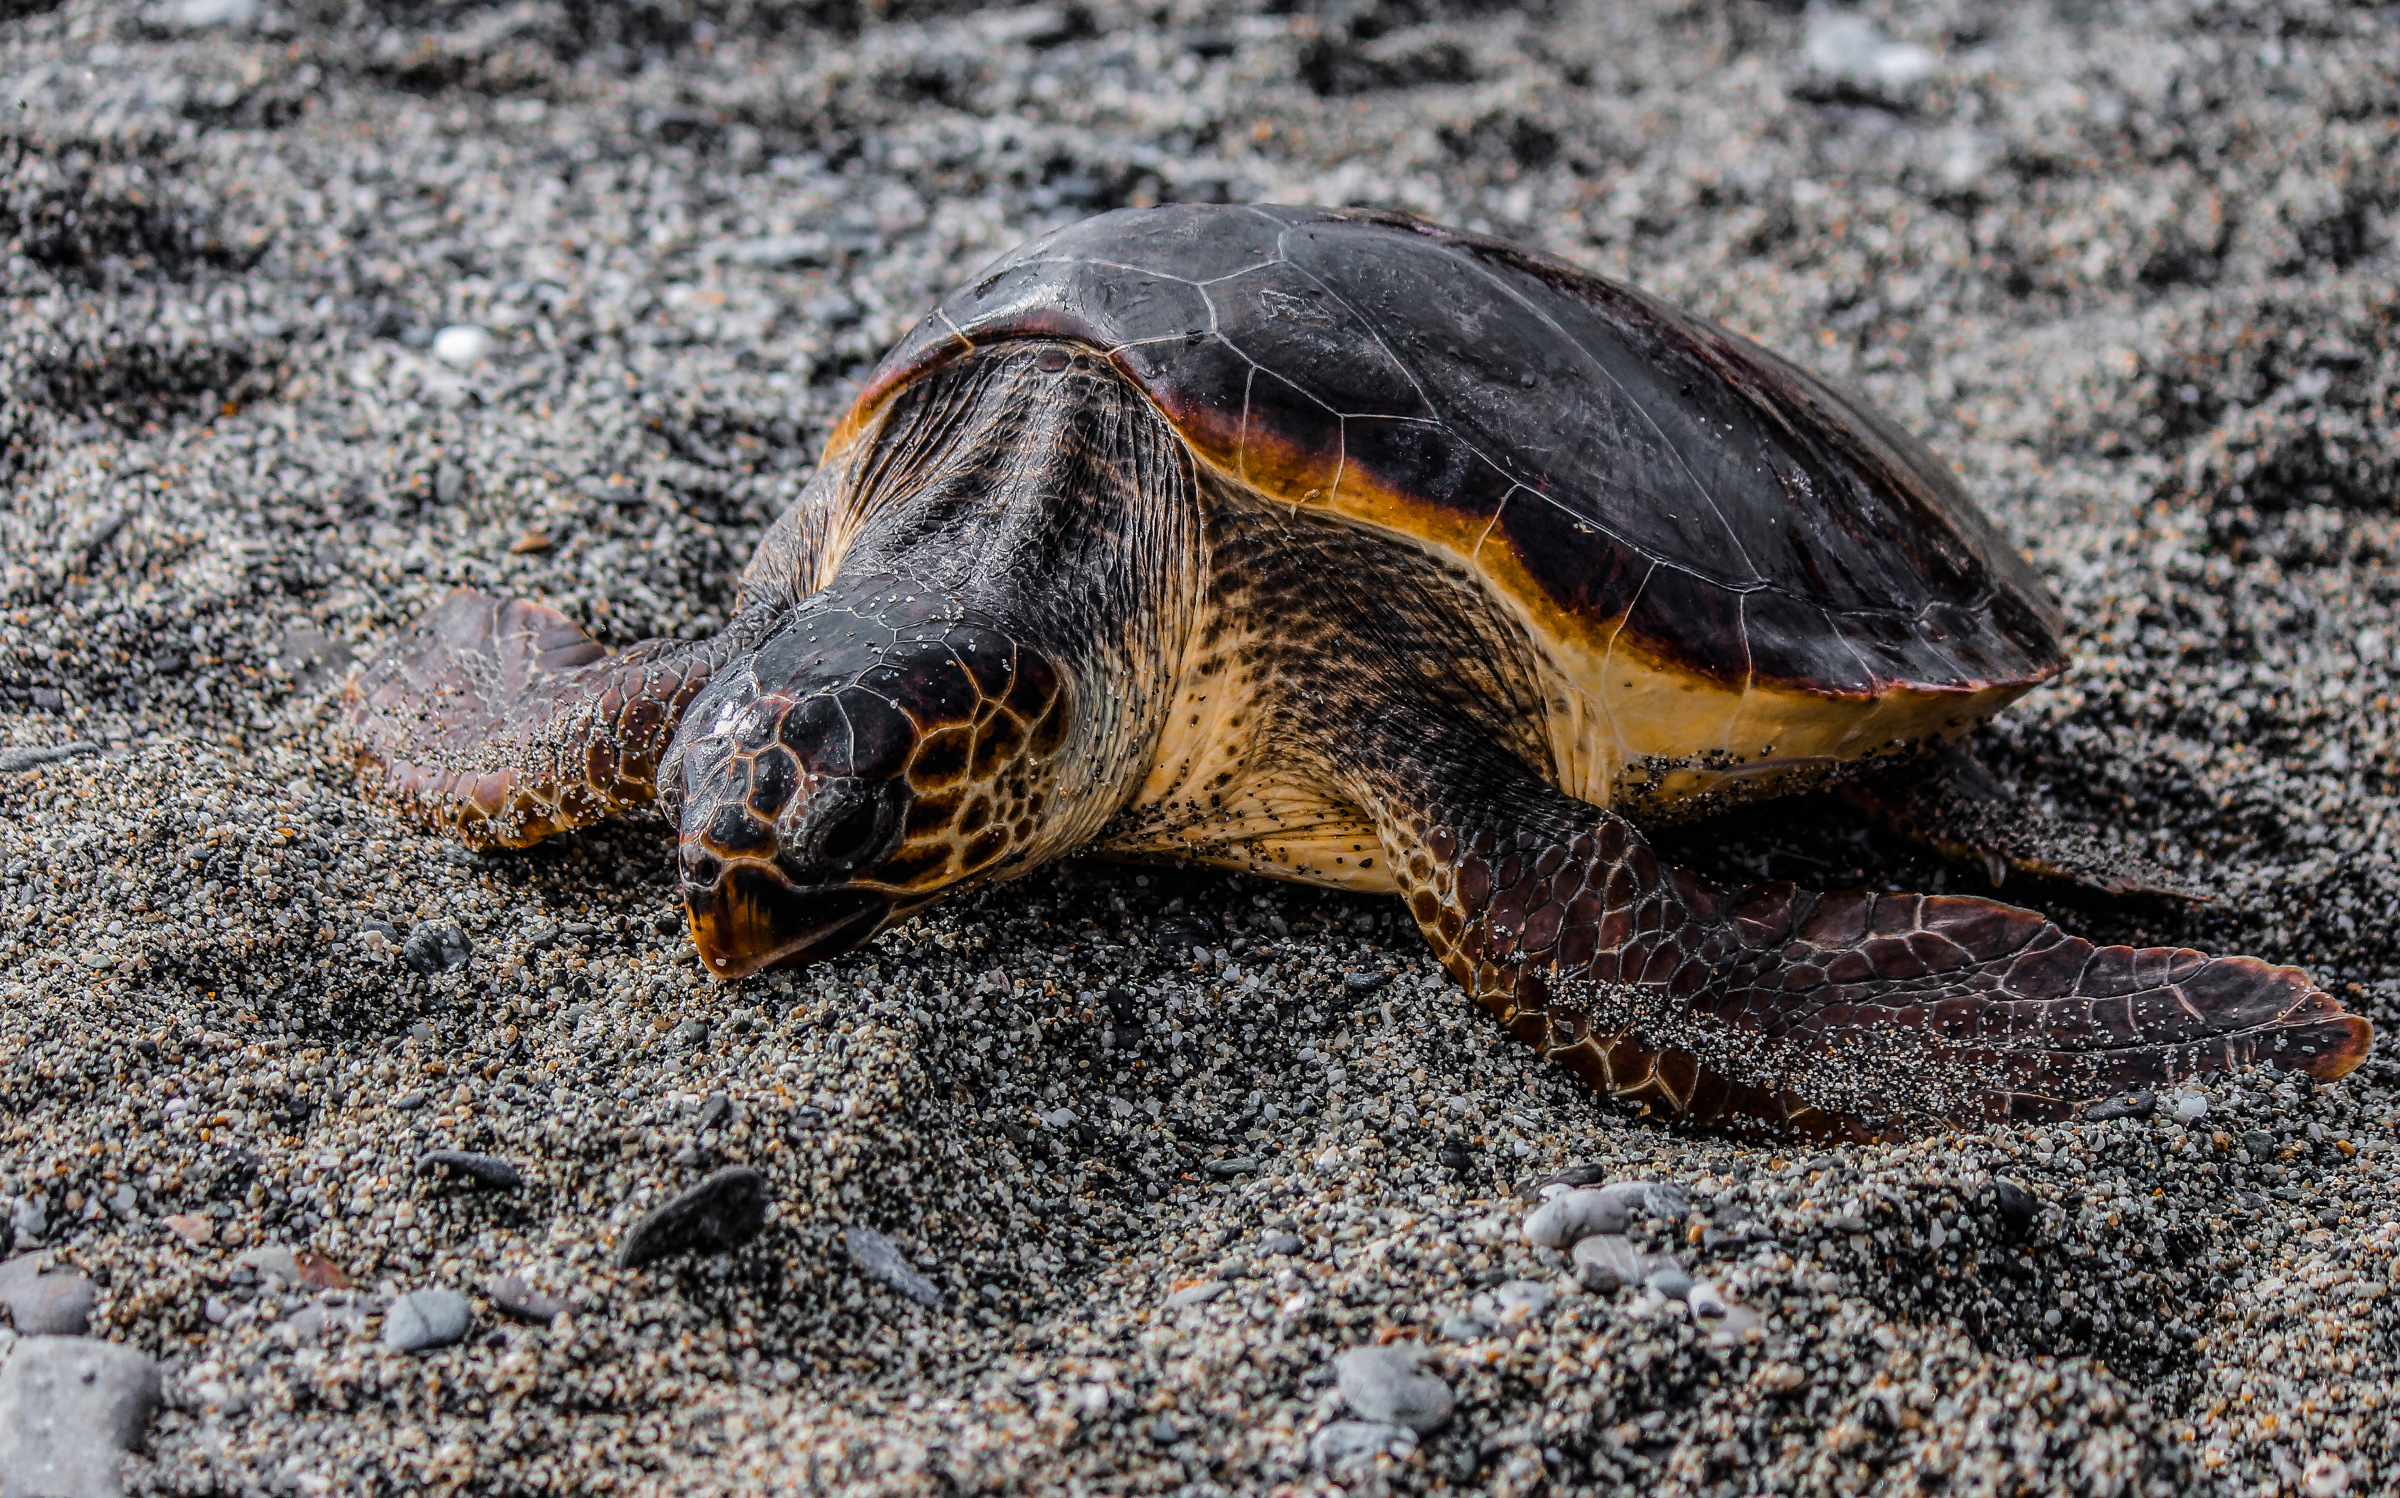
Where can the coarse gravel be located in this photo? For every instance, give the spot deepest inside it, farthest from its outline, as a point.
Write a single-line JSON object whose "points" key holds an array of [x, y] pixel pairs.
{"points": [[314, 311]]}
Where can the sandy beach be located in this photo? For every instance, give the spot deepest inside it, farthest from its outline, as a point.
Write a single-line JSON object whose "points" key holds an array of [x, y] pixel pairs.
{"points": [[1085, 1184]]}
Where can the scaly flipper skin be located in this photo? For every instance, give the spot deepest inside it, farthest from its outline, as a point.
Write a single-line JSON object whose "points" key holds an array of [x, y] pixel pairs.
{"points": [[505, 723], [1852, 1013]]}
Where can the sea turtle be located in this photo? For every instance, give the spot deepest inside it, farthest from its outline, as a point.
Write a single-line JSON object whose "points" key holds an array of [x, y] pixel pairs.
{"points": [[1340, 547]]}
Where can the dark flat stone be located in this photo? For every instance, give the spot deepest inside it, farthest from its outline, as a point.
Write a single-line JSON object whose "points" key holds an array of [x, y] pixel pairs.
{"points": [[487, 1170], [879, 1258], [2131, 1105], [723, 1212]]}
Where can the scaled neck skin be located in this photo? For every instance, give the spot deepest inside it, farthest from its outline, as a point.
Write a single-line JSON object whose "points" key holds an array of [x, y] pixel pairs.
{"points": [[1031, 489]]}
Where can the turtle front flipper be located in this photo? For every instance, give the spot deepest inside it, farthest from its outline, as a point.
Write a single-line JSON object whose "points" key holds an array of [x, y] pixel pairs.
{"points": [[504, 722], [1840, 1013]]}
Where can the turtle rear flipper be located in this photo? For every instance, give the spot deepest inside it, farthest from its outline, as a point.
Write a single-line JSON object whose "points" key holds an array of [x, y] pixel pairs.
{"points": [[1880, 1006], [1963, 812], [506, 723], [1854, 1012]]}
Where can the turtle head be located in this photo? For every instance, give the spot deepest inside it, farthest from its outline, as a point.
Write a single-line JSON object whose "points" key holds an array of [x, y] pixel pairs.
{"points": [[854, 773]]}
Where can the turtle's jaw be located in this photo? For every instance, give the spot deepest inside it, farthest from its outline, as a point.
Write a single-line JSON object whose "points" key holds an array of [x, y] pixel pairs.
{"points": [[750, 918]]}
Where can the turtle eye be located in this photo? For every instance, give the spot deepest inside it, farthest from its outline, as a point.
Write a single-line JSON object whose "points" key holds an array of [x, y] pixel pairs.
{"points": [[845, 827], [849, 835]]}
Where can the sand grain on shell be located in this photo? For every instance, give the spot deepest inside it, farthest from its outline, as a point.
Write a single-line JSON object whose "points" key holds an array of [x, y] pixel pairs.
{"points": [[2134, 276]]}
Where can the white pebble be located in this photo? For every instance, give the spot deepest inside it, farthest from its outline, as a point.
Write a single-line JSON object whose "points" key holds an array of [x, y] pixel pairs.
{"points": [[1569, 1217], [462, 344], [2326, 1476], [1606, 1261], [1572, 1216], [2193, 1106], [198, 13]]}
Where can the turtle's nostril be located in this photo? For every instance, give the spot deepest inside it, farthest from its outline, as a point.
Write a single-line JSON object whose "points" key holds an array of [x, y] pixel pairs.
{"points": [[700, 870], [734, 830]]}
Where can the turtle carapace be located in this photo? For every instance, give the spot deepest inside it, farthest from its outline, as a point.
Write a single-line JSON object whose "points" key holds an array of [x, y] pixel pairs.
{"points": [[1338, 547]]}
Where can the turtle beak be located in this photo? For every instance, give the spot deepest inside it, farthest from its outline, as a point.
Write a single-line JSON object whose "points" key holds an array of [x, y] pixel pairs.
{"points": [[750, 918]]}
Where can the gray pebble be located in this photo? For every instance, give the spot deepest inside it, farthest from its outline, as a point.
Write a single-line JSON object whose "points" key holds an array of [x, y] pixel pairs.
{"points": [[1364, 983], [70, 1407], [1572, 1216], [1467, 1328], [1568, 1216], [1606, 1261], [1533, 1296], [1347, 1445], [713, 1112], [408, 1102], [12, 760], [1385, 1384], [2192, 1106], [305, 1324], [426, 1319], [1196, 1295], [723, 1212], [1670, 1282], [435, 948], [488, 1170], [1239, 1165], [46, 1303], [691, 1032], [272, 1259], [879, 1258], [1280, 1243], [513, 1296]]}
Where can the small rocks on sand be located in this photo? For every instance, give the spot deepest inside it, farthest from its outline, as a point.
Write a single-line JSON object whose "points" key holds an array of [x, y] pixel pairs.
{"points": [[423, 1320], [879, 1259], [1386, 1385], [1349, 1445], [485, 1170], [70, 1407], [435, 948], [721, 1213]]}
